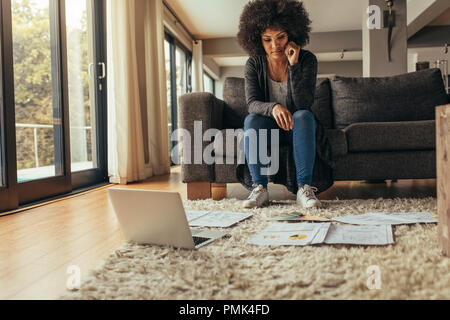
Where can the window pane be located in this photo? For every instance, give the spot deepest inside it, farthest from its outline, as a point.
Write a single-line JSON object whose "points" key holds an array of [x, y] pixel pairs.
{"points": [[181, 72], [2, 168], [38, 121], [82, 84], [169, 87], [208, 83], [181, 79]]}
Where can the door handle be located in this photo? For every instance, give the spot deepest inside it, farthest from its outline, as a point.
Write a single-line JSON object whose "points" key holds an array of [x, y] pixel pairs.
{"points": [[103, 75]]}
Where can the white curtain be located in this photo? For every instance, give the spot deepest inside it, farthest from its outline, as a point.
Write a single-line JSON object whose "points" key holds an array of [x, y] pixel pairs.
{"points": [[137, 103], [158, 133], [197, 66]]}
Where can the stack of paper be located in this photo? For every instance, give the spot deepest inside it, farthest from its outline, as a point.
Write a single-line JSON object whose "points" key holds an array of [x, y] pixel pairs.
{"points": [[302, 234], [360, 235], [214, 219], [298, 216], [389, 218], [298, 234]]}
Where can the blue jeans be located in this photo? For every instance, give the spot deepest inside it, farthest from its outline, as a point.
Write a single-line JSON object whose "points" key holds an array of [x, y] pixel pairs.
{"points": [[302, 137]]}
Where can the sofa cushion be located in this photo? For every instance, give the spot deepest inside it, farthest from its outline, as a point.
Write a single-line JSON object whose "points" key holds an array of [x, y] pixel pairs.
{"points": [[386, 165], [408, 97], [338, 142], [322, 103], [391, 136]]}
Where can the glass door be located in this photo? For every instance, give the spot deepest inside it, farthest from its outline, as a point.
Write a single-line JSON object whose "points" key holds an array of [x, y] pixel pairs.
{"points": [[178, 62], [82, 85], [8, 193], [2, 131], [37, 83], [38, 98], [168, 64], [86, 69], [54, 68]]}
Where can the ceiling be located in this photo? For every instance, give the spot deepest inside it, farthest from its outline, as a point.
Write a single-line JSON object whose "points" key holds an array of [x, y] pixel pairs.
{"points": [[207, 19], [442, 20]]}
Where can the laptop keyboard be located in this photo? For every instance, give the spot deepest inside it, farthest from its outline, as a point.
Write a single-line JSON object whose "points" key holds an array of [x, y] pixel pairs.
{"points": [[199, 240]]}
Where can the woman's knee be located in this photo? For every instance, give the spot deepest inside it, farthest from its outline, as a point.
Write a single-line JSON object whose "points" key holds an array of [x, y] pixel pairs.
{"points": [[303, 116], [254, 121]]}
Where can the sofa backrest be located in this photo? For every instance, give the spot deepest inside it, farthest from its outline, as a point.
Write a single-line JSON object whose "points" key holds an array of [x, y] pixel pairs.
{"points": [[322, 103], [407, 97], [236, 110]]}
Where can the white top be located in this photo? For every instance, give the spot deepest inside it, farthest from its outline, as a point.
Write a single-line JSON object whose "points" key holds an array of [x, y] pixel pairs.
{"points": [[278, 92]]}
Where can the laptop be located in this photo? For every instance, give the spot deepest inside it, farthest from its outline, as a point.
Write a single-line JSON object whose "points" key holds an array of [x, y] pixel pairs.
{"points": [[157, 217]]}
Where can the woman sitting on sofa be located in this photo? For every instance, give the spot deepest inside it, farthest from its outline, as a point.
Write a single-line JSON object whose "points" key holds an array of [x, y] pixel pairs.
{"points": [[280, 82]]}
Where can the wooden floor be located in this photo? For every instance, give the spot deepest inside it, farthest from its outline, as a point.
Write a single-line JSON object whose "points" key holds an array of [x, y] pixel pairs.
{"points": [[38, 245]]}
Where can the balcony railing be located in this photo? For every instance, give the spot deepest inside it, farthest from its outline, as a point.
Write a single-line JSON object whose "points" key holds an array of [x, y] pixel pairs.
{"points": [[46, 171]]}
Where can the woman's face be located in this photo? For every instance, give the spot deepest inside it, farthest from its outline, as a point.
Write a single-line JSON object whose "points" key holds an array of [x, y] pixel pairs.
{"points": [[274, 41]]}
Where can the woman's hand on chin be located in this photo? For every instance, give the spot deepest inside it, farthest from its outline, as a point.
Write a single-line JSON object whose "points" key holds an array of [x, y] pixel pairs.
{"points": [[292, 52]]}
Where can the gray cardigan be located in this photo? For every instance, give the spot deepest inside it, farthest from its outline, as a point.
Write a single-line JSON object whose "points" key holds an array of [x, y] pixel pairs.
{"points": [[301, 84], [300, 96]]}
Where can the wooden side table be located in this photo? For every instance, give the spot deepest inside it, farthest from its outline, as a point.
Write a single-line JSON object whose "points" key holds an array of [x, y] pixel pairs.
{"points": [[443, 176]]}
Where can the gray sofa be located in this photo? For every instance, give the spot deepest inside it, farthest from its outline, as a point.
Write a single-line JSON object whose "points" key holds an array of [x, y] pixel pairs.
{"points": [[378, 128]]}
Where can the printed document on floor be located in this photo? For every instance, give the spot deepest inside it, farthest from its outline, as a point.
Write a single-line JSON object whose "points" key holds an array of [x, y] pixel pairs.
{"points": [[214, 219], [360, 235], [298, 234], [389, 218], [303, 234]]}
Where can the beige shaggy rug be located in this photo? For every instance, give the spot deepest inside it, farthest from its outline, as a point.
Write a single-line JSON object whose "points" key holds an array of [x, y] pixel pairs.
{"points": [[412, 268]]}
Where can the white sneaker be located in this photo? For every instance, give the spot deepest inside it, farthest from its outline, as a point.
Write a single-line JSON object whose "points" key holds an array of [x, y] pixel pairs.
{"points": [[258, 198], [307, 198]]}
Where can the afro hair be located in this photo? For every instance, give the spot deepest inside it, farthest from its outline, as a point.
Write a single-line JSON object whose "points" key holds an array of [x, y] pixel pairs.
{"points": [[258, 15]]}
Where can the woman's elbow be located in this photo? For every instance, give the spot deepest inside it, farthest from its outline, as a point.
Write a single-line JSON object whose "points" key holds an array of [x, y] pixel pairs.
{"points": [[252, 107]]}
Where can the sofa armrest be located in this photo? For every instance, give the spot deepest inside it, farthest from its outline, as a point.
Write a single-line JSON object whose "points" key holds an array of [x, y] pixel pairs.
{"points": [[201, 106], [201, 111]]}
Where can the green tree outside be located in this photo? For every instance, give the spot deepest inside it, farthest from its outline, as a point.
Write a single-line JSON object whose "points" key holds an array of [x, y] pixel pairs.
{"points": [[33, 79]]}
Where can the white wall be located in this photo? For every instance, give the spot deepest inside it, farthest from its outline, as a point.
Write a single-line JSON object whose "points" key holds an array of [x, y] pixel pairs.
{"points": [[227, 72], [341, 68], [211, 67], [425, 54]]}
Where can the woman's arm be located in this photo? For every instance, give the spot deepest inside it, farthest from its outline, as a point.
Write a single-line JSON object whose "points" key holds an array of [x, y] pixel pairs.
{"points": [[254, 94], [303, 77]]}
